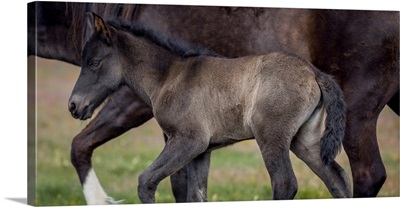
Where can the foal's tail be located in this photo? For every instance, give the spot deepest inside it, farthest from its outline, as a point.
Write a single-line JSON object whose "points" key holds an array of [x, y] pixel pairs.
{"points": [[335, 122]]}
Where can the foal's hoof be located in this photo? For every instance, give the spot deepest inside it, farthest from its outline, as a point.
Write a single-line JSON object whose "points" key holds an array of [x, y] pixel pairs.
{"points": [[110, 200]]}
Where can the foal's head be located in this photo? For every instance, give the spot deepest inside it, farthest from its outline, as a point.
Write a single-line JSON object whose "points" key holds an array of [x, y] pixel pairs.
{"points": [[101, 69], [112, 51]]}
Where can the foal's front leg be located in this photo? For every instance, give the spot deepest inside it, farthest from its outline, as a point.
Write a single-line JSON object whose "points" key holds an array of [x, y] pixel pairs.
{"points": [[178, 151], [189, 184], [197, 178]]}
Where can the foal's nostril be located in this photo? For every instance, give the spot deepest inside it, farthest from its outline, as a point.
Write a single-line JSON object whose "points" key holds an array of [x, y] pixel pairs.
{"points": [[72, 107]]}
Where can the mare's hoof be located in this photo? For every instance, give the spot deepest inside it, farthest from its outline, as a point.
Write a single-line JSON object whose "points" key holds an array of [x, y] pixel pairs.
{"points": [[110, 200]]}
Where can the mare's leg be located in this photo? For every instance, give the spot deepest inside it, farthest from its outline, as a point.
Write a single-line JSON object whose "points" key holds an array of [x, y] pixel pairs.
{"points": [[306, 145], [178, 152], [122, 112], [197, 176], [360, 142], [361, 146]]}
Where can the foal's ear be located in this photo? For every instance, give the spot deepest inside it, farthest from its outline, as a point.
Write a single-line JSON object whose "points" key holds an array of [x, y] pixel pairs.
{"points": [[95, 24]]}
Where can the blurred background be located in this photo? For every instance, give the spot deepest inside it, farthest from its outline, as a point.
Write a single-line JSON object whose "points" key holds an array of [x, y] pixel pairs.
{"points": [[237, 173]]}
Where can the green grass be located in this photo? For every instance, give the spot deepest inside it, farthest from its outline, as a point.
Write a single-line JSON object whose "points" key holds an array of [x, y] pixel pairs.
{"points": [[237, 173]]}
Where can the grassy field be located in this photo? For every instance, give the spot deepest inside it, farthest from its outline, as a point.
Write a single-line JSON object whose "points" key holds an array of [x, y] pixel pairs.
{"points": [[237, 172]]}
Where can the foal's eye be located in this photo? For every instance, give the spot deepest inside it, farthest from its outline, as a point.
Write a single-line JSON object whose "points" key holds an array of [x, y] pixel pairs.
{"points": [[94, 64]]}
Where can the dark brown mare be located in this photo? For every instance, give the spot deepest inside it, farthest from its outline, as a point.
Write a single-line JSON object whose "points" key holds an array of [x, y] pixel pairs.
{"points": [[203, 101], [360, 48]]}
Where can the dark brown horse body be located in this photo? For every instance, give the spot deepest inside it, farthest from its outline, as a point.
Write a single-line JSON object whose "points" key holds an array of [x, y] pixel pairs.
{"points": [[360, 48]]}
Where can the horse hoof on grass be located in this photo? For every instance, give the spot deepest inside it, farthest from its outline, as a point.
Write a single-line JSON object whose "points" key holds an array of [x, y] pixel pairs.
{"points": [[110, 200]]}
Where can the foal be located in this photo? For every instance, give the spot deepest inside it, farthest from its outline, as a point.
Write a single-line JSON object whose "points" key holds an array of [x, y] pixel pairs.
{"points": [[203, 101]]}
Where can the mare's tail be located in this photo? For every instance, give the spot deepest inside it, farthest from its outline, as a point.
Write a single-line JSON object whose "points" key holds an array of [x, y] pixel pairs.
{"points": [[335, 122]]}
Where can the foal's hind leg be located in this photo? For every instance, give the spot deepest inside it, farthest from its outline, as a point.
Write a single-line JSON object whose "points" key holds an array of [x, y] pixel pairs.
{"points": [[334, 176], [277, 160], [274, 143], [306, 146]]}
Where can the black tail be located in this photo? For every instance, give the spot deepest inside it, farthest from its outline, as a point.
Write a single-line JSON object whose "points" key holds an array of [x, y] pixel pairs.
{"points": [[335, 122]]}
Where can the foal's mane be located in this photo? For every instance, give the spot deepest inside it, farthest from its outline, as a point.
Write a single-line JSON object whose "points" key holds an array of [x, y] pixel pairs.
{"points": [[175, 45]]}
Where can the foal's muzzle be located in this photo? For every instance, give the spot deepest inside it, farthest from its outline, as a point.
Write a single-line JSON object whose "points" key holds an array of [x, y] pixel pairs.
{"points": [[79, 110], [72, 109]]}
